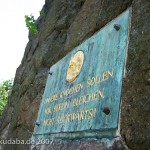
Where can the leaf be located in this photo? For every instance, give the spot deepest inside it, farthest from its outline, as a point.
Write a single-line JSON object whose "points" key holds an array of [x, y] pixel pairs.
{"points": [[30, 24]]}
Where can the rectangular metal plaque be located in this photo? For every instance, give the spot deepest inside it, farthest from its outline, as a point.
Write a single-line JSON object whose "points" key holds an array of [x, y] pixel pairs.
{"points": [[83, 90]]}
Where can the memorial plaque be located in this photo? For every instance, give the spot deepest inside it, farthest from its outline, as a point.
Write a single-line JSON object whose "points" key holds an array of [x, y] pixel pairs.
{"points": [[83, 90]]}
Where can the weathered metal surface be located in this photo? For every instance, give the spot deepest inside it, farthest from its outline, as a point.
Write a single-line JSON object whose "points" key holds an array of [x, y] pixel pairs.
{"points": [[89, 99]]}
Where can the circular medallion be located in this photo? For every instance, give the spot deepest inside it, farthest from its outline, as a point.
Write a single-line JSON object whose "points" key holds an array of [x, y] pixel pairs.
{"points": [[75, 66]]}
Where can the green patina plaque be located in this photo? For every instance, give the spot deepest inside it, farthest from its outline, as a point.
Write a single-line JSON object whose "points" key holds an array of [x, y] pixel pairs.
{"points": [[83, 90]]}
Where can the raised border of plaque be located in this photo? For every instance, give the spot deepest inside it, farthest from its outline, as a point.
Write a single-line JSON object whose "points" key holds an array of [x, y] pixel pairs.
{"points": [[83, 89]]}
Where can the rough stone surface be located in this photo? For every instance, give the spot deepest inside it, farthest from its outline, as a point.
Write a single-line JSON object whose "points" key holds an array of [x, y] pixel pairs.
{"points": [[85, 144], [64, 25], [135, 110]]}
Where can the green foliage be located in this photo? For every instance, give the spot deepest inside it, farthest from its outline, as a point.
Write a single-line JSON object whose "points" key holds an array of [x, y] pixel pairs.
{"points": [[30, 24], [4, 90], [42, 12]]}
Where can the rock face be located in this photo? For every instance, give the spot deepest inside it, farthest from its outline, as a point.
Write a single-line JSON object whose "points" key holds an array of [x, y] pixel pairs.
{"points": [[64, 25]]}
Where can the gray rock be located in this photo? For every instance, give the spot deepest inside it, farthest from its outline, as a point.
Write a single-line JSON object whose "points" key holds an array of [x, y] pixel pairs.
{"points": [[66, 24]]}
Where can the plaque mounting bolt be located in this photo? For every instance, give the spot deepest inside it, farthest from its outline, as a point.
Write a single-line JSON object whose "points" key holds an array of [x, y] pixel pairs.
{"points": [[117, 27], [37, 123], [106, 110], [50, 73]]}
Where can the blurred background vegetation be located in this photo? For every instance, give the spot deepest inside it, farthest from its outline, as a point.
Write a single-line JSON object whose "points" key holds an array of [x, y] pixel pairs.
{"points": [[5, 88]]}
